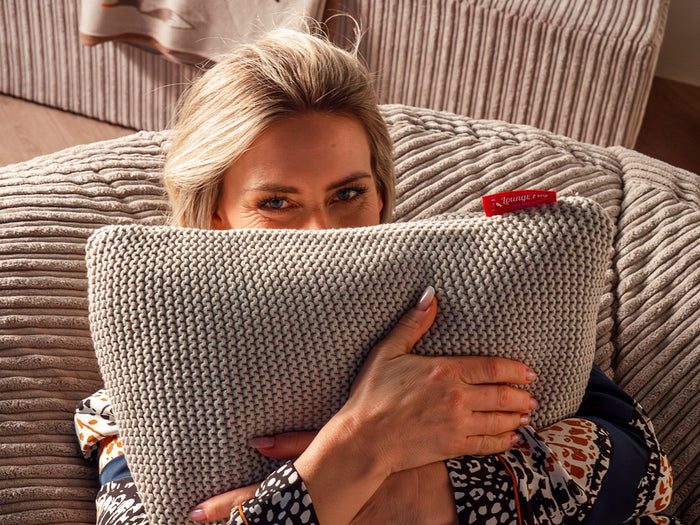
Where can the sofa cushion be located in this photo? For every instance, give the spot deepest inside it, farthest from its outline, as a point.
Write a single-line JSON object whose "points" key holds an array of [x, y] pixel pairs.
{"points": [[658, 334], [245, 333], [48, 208]]}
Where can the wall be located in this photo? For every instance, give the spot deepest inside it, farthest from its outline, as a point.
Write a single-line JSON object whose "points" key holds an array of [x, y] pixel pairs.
{"points": [[679, 58]]}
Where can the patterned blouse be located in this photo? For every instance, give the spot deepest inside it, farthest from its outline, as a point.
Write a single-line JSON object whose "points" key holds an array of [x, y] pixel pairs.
{"points": [[602, 465]]}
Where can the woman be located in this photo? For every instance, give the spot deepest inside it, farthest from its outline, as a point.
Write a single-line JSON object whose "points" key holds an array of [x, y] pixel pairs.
{"points": [[286, 133]]}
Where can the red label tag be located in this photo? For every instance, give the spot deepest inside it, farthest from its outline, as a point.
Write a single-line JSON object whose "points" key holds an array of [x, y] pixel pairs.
{"points": [[500, 203]]}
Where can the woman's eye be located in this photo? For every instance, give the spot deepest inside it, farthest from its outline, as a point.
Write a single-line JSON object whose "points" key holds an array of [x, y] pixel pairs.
{"points": [[276, 204], [347, 194]]}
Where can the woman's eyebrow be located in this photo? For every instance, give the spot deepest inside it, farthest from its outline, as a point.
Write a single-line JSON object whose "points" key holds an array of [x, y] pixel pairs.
{"points": [[280, 188], [272, 188], [350, 178]]}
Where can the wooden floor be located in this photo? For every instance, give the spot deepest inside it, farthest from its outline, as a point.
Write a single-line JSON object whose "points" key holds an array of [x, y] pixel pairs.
{"points": [[29, 130], [671, 127], [670, 131]]}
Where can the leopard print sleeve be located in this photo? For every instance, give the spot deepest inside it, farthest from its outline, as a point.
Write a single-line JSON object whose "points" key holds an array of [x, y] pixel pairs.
{"points": [[282, 498], [603, 462]]}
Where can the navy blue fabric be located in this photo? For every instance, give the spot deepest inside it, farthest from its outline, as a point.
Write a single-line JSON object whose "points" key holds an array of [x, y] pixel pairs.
{"points": [[609, 406], [115, 469]]}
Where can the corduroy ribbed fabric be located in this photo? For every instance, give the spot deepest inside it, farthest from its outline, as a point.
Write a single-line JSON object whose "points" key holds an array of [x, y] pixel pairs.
{"points": [[658, 333], [580, 68], [42, 60], [48, 208], [445, 163]]}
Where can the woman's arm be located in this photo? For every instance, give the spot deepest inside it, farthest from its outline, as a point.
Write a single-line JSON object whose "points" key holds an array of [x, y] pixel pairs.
{"points": [[636, 479], [414, 496], [406, 411]]}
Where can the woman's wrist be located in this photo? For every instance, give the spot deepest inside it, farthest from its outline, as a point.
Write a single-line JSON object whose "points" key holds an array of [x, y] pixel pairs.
{"points": [[341, 470], [438, 494]]}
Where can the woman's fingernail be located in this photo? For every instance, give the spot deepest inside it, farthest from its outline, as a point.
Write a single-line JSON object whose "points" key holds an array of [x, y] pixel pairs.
{"points": [[197, 515], [515, 438], [533, 404], [426, 299], [530, 375], [262, 442], [524, 420]]}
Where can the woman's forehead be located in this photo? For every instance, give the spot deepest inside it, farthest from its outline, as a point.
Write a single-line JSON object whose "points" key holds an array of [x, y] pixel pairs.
{"points": [[317, 148], [309, 130]]}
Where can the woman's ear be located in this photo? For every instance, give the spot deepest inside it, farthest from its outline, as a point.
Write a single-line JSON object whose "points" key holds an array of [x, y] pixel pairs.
{"points": [[217, 222]]}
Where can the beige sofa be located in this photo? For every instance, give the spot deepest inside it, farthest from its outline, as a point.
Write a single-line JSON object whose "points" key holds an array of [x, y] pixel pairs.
{"points": [[649, 321], [580, 68]]}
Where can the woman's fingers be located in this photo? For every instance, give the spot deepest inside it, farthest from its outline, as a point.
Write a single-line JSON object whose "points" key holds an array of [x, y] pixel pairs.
{"points": [[219, 507], [289, 445], [500, 398], [485, 445], [496, 423], [481, 370]]}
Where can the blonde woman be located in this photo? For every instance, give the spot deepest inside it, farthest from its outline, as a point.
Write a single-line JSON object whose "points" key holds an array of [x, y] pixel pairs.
{"points": [[286, 133]]}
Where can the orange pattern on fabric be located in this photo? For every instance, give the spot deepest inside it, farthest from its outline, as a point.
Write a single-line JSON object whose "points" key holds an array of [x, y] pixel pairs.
{"points": [[664, 487], [572, 443], [240, 513], [515, 489], [110, 448], [94, 436]]}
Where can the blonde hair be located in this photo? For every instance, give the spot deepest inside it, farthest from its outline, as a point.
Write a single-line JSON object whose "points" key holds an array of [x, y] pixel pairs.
{"points": [[285, 73]]}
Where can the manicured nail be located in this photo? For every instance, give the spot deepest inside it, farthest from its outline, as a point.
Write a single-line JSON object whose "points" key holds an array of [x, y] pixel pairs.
{"points": [[197, 515], [515, 438], [530, 375], [262, 442], [524, 420], [426, 299], [533, 404]]}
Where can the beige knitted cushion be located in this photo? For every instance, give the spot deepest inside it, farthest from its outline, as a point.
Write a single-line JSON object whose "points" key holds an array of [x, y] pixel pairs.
{"points": [[208, 338]]}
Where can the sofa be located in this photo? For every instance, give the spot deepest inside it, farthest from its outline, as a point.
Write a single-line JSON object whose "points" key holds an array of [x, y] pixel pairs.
{"points": [[580, 68], [648, 331]]}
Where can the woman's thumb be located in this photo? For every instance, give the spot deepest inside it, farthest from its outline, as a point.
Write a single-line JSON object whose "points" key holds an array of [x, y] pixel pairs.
{"points": [[410, 327]]}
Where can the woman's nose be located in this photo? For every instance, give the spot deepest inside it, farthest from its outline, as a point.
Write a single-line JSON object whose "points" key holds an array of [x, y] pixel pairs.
{"points": [[317, 220]]}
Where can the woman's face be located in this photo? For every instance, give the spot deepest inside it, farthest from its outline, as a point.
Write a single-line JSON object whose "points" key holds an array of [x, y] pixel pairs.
{"points": [[310, 171]]}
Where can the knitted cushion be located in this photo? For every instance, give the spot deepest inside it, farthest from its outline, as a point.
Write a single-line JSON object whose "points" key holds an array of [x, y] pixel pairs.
{"points": [[208, 338]]}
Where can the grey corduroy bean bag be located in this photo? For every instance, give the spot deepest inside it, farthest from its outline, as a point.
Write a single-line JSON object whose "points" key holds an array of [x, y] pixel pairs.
{"points": [[648, 328]]}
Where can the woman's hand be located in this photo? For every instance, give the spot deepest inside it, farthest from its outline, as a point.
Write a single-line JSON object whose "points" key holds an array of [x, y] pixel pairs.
{"points": [[420, 495], [412, 410], [406, 411]]}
